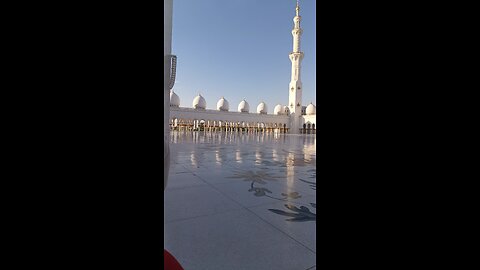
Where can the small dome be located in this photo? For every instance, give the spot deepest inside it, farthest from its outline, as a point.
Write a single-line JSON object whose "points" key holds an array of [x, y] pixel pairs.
{"points": [[199, 102], [174, 99], [243, 106], [262, 108], [222, 105], [286, 110], [311, 109], [278, 110]]}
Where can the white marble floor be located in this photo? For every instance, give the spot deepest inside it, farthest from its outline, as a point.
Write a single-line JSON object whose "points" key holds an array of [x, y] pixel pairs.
{"points": [[241, 201]]}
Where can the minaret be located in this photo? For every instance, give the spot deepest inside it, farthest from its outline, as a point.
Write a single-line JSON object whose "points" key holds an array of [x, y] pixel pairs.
{"points": [[295, 86]]}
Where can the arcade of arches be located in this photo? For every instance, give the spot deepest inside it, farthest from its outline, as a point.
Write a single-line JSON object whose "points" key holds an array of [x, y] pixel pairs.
{"points": [[230, 126]]}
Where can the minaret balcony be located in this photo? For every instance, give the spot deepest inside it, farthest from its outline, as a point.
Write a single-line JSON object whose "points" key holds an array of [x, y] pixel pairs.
{"points": [[297, 32], [294, 56]]}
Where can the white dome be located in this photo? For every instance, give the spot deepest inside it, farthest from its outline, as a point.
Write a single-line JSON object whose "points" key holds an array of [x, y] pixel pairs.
{"points": [[278, 110], [222, 105], [199, 102], [174, 99], [311, 109], [262, 108], [286, 110], [243, 106]]}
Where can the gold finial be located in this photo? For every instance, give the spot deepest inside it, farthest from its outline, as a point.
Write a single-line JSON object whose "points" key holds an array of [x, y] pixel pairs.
{"points": [[297, 8]]}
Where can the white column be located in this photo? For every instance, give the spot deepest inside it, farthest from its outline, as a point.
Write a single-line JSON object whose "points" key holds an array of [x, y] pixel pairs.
{"points": [[167, 51]]}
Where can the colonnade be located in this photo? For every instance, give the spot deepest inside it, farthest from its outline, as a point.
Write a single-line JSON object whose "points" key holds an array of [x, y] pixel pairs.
{"points": [[226, 126], [222, 137], [308, 129]]}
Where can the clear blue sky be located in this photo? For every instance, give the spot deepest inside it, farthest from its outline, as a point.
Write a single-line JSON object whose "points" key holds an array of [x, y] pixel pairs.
{"points": [[239, 49]]}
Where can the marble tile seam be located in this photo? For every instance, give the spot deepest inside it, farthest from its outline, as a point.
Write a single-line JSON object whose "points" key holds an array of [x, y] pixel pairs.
{"points": [[184, 187], [214, 186], [201, 216], [275, 202], [174, 172], [282, 228], [175, 188], [259, 204], [259, 217], [276, 228], [184, 178]]}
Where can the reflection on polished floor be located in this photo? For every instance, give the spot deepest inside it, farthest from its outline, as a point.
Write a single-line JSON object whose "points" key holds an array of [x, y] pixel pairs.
{"points": [[241, 201]]}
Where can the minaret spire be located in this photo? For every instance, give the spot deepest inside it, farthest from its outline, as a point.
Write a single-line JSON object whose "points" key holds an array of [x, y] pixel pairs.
{"points": [[295, 86], [297, 31]]}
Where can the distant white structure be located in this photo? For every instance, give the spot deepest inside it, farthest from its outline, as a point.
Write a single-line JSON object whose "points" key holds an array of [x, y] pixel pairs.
{"points": [[199, 103], [243, 106], [295, 86], [292, 118], [222, 105], [262, 108]]}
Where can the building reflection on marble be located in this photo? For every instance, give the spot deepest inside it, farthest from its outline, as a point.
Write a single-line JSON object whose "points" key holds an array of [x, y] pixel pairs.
{"points": [[306, 140], [290, 159], [263, 185]]}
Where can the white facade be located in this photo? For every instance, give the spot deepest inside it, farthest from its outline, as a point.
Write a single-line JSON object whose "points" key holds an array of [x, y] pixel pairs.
{"points": [[215, 120], [295, 86], [288, 118]]}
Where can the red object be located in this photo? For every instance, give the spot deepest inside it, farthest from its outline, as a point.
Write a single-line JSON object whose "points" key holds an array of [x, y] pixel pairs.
{"points": [[169, 262]]}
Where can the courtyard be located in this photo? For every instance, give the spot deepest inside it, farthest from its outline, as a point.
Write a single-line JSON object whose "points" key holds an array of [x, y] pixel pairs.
{"points": [[241, 201]]}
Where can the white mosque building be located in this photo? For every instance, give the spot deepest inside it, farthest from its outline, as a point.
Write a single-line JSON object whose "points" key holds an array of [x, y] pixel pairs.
{"points": [[291, 118]]}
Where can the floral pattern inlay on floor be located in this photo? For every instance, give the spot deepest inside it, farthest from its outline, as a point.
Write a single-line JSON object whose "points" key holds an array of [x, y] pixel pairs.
{"points": [[264, 168]]}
